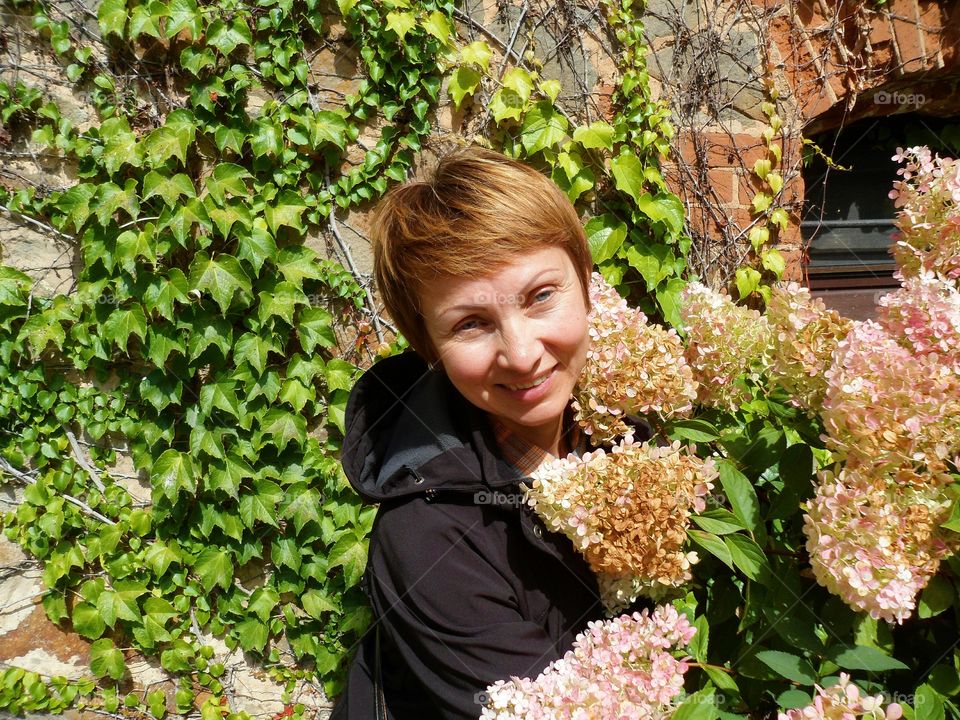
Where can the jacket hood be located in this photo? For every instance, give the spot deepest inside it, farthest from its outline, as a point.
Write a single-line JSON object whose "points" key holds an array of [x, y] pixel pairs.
{"points": [[409, 431]]}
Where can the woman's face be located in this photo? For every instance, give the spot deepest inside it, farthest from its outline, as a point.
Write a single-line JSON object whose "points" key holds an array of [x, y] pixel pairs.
{"points": [[513, 342]]}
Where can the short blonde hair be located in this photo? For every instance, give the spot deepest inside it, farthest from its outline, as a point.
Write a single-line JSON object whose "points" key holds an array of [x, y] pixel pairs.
{"points": [[475, 213]]}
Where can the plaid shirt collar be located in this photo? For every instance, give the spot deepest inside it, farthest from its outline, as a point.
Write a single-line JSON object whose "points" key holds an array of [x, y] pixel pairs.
{"points": [[527, 457]]}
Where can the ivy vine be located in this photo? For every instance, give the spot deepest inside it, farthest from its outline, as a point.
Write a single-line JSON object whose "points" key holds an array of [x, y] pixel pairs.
{"points": [[204, 336]]}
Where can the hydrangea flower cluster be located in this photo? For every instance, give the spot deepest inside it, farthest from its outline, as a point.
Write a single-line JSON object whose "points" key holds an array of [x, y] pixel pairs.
{"points": [[844, 701], [887, 405], [805, 335], [929, 220], [620, 669], [626, 511], [925, 316], [724, 342], [633, 367], [874, 542]]}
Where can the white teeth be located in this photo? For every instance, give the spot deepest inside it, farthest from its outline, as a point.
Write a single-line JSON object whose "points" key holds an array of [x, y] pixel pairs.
{"points": [[533, 384]]}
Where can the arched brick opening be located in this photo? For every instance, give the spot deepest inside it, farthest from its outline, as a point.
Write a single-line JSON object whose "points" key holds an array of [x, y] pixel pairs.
{"points": [[827, 63]]}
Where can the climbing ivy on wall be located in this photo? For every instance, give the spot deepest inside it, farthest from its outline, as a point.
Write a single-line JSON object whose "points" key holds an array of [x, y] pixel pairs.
{"points": [[202, 332]]}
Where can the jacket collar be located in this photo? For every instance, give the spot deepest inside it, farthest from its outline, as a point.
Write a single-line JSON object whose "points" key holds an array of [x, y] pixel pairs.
{"points": [[409, 430]]}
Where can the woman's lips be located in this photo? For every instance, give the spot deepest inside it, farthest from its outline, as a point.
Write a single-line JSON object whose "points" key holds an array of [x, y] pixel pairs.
{"points": [[535, 391]]}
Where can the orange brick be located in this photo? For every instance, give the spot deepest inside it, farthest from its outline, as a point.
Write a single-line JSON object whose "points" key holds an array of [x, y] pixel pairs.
{"points": [[722, 184], [796, 262], [908, 45]]}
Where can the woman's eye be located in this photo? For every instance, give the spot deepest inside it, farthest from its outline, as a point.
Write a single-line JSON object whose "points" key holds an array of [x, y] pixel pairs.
{"points": [[467, 325], [542, 295]]}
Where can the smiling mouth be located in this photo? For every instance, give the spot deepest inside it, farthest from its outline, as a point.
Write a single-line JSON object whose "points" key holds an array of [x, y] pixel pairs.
{"points": [[539, 381]]}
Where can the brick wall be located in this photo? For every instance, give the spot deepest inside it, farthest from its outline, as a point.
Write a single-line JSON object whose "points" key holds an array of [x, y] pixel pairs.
{"points": [[828, 62]]}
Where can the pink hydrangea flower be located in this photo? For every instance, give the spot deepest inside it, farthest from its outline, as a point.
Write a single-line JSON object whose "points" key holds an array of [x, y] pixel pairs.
{"points": [[633, 367], [805, 335], [725, 341], [928, 196], [627, 512], [876, 542], [844, 701], [886, 405], [619, 669]]}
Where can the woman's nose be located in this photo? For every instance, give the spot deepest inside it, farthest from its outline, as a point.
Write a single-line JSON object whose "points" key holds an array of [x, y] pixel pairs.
{"points": [[520, 347]]}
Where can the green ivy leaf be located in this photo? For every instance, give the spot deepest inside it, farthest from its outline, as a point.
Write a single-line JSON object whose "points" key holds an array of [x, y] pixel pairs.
{"points": [[286, 209], [267, 139], [339, 374], [214, 567], [145, 19], [221, 394], [87, 621], [183, 15], [226, 217], [122, 323], [597, 134], [519, 81], [262, 602], [463, 82], [257, 246], [120, 602], [159, 556], [223, 277], [285, 552], [229, 474], [543, 127], [350, 553], [75, 204], [302, 505], [226, 38], [505, 104], [438, 25], [106, 660], [169, 188], [172, 473], [605, 234], [261, 504], [747, 281], [315, 327], [112, 16], [628, 174], [167, 142], [477, 53], [327, 126], [665, 207], [252, 634], [401, 23], [111, 197], [227, 178], [317, 604], [163, 292], [772, 260], [281, 427]]}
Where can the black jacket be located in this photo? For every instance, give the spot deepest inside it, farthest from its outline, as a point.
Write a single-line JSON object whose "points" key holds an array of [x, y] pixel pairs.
{"points": [[466, 584]]}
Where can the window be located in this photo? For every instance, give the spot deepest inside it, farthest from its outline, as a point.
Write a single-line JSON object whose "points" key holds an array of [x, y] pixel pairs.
{"points": [[848, 220]]}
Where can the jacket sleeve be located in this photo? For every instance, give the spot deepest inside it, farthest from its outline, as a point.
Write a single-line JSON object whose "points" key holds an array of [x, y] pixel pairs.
{"points": [[441, 586]]}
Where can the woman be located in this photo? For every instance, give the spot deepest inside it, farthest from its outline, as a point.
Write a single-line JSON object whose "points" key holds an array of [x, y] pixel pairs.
{"points": [[484, 268]]}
